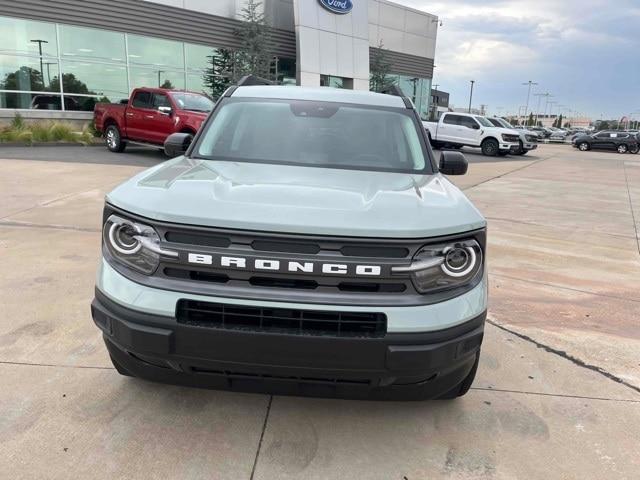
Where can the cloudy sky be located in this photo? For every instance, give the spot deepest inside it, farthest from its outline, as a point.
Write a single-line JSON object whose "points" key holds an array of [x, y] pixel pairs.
{"points": [[584, 52]]}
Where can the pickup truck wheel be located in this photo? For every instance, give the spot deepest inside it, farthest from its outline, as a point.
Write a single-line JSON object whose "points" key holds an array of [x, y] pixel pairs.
{"points": [[583, 146], [490, 147], [622, 148], [634, 149], [463, 387], [113, 139]]}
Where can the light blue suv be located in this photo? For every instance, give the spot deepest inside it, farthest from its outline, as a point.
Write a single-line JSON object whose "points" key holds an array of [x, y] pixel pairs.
{"points": [[306, 242]]}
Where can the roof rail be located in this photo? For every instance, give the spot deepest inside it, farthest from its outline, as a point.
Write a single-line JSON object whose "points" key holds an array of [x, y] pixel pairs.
{"points": [[252, 80], [397, 92]]}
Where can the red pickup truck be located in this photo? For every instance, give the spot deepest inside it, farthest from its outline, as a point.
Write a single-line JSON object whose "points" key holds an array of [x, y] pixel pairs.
{"points": [[150, 116]]}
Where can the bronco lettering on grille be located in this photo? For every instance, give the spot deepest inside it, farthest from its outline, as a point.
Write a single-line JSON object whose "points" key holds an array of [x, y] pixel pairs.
{"points": [[263, 264]]}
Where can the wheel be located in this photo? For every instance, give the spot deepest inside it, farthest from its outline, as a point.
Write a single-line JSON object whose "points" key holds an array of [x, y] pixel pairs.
{"points": [[490, 147], [463, 387], [113, 139], [634, 149], [622, 148], [584, 146]]}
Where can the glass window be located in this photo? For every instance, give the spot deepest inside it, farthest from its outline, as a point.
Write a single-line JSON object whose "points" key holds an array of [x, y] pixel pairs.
{"points": [[160, 100], [95, 79], [483, 121], [195, 83], [147, 77], [155, 51], [198, 57], [85, 104], [28, 73], [41, 101], [469, 122], [190, 101], [452, 119], [336, 82], [26, 37], [80, 42], [315, 134], [142, 100]]}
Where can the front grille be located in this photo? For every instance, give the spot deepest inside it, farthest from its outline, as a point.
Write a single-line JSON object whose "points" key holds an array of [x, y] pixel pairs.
{"points": [[281, 320], [236, 375]]}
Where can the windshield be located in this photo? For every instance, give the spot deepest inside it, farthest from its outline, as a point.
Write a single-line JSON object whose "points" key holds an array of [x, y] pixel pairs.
{"points": [[484, 122], [320, 134], [192, 101], [504, 123]]}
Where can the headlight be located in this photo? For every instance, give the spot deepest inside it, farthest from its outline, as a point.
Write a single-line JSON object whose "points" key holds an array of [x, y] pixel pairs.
{"points": [[510, 138], [133, 244], [445, 266]]}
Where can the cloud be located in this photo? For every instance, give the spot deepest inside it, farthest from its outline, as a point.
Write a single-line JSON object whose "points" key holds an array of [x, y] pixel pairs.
{"points": [[583, 51]]}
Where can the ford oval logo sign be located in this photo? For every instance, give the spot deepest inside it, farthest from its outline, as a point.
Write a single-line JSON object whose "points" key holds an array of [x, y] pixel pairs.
{"points": [[337, 6]]}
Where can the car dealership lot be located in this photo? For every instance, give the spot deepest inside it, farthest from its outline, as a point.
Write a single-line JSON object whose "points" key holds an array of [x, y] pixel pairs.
{"points": [[558, 391]]}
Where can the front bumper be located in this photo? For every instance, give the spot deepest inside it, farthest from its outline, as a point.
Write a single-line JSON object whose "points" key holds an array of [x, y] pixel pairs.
{"points": [[509, 147], [409, 366]]}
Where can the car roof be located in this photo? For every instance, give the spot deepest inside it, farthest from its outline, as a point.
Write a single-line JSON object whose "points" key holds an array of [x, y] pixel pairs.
{"points": [[319, 94]]}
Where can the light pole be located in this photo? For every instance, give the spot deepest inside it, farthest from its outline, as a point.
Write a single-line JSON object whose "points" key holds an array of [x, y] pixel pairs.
{"points": [[471, 94], [48, 64], [159, 73], [40, 42], [539, 95], [530, 83], [551, 104]]}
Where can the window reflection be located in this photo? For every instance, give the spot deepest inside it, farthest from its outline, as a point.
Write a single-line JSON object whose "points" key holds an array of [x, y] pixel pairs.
{"points": [[25, 37], [148, 77], [95, 79], [79, 42], [155, 51], [27, 73]]}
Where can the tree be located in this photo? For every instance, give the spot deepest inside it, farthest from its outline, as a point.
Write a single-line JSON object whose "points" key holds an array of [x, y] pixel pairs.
{"points": [[256, 45], [558, 122], [604, 125], [25, 78], [220, 73], [567, 125], [167, 84], [70, 84], [514, 121], [380, 70]]}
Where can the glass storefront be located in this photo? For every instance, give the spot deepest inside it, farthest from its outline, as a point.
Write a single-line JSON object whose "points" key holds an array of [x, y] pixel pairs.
{"points": [[55, 66], [418, 90]]}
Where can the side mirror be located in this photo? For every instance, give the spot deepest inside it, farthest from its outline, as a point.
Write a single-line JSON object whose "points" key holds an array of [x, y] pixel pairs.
{"points": [[165, 110], [453, 163], [177, 144]]}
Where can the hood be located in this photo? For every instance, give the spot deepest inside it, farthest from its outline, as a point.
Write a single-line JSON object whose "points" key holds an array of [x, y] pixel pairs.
{"points": [[292, 199]]}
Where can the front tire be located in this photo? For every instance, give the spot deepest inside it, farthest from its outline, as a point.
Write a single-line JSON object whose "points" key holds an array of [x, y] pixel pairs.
{"points": [[622, 148], [490, 147], [463, 387], [113, 139], [584, 146]]}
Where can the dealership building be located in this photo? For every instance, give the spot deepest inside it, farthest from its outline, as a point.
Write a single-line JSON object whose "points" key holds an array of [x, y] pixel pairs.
{"points": [[103, 50]]}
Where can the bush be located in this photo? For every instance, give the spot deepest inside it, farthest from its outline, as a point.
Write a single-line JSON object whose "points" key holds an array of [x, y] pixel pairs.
{"points": [[19, 131]]}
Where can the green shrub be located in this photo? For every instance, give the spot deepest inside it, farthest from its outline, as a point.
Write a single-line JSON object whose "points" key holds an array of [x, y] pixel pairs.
{"points": [[61, 131], [18, 122]]}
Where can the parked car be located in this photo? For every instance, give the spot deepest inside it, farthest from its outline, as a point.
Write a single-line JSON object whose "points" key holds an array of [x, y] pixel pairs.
{"points": [[306, 242], [558, 135], [541, 131], [528, 139], [621, 142], [150, 116], [463, 129]]}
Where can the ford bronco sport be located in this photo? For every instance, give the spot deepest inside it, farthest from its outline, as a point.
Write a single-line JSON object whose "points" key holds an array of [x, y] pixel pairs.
{"points": [[307, 243]]}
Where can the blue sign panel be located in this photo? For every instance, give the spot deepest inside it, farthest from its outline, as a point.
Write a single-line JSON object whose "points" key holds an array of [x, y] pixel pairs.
{"points": [[337, 6]]}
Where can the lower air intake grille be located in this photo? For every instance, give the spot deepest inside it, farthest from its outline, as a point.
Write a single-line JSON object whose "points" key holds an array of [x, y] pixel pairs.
{"points": [[281, 320]]}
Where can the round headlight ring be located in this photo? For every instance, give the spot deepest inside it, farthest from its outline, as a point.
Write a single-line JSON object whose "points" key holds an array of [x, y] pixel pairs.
{"points": [[118, 244], [464, 270]]}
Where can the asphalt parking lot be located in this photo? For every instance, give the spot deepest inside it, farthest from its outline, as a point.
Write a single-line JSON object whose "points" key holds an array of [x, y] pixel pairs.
{"points": [[557, 394]]}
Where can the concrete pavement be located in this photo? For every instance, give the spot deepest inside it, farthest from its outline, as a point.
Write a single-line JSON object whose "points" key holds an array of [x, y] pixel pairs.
{"points": [[557, 394]]}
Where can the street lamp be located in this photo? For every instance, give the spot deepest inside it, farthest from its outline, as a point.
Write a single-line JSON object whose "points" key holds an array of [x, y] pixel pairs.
{"points": [[40, 42], [471, 94], [530, 83]]}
